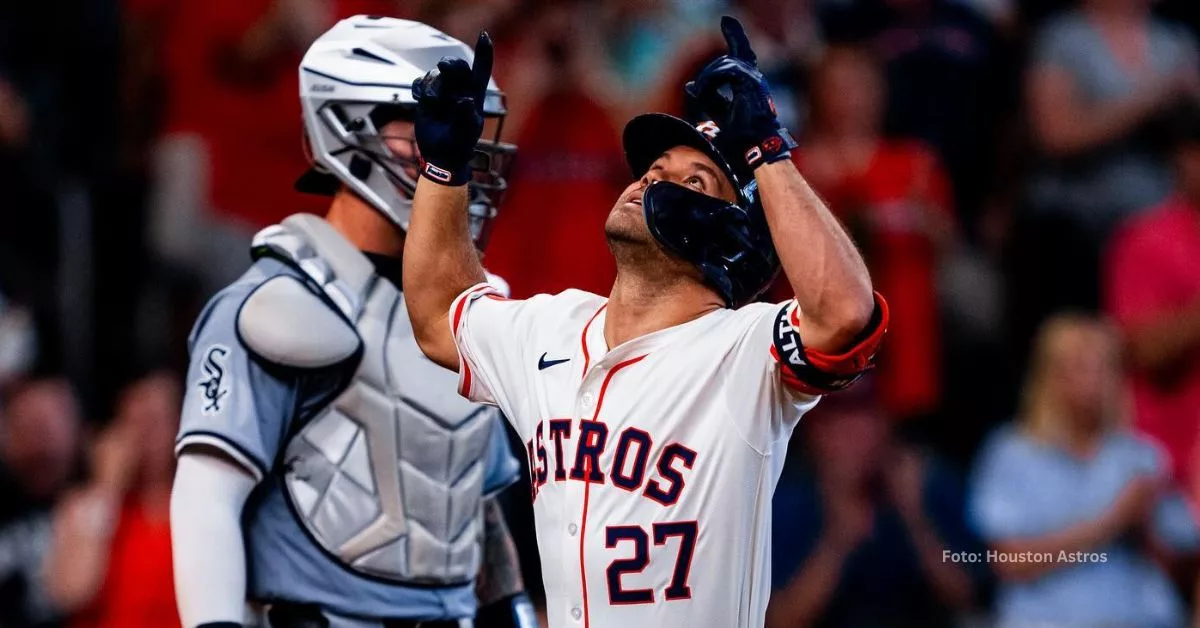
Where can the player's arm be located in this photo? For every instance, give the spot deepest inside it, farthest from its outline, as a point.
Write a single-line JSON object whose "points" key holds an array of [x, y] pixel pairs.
{"points": [[253, 352], [829, 277], [208, 550], [440, 263], [500, 573], [500, 588], [440, 260], [221, 459], [824, 268]]}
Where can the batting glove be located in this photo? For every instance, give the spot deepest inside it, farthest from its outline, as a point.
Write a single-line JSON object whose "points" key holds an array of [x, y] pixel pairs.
{"points": [[449, 117], [734, 94]]}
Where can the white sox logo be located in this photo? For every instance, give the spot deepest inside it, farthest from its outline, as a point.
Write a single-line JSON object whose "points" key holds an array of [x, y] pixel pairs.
{"points": [[213, 383]]}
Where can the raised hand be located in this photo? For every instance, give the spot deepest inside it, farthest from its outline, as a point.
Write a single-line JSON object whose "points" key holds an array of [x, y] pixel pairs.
{"points": [[732, 92], [449, 117]]}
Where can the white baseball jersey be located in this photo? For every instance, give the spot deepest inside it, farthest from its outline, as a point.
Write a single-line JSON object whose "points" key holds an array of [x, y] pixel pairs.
{"points": [[653, 463]]}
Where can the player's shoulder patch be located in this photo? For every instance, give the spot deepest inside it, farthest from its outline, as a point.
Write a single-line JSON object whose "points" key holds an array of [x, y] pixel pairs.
{"points": [[284, 322], [213, 384]]}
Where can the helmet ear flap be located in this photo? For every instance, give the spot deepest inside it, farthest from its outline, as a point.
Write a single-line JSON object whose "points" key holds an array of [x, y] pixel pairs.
{"points": [[722, 239]]}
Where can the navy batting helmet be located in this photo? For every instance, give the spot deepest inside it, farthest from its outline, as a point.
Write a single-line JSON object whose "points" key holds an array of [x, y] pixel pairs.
{"points": [[728, 242]]}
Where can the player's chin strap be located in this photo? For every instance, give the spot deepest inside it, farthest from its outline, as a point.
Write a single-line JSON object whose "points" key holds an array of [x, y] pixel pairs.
{"points": [[818, 373], [515, 611]]}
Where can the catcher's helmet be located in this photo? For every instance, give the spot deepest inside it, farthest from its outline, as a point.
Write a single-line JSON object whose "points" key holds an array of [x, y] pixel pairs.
{"points": [[728, 242], [356, 78]]}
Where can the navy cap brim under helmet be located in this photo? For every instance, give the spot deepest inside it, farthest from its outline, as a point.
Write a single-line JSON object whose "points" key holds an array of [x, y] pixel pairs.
{"points": [[647, 136]]}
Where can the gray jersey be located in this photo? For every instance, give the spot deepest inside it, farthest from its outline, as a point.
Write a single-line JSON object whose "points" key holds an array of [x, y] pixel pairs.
{"points": [[371, 467]]}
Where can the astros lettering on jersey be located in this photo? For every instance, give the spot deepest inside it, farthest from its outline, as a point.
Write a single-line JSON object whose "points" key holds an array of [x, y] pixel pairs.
{"points": [[652, 463]]}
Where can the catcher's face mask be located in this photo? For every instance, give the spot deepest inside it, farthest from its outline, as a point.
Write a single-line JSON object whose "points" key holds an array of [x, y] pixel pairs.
{"points": [[397, 152], [380, 150]]}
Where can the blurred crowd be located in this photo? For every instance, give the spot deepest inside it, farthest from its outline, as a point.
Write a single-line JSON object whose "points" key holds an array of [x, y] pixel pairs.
{"points": [[1023, 177]]}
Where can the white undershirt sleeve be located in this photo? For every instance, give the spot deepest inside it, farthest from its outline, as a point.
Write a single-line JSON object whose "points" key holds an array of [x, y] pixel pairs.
{"points": [[206, 538]]}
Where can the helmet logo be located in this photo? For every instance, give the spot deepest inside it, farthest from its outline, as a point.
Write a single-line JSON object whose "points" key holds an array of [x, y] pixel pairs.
{"points": [[709, 129], [323, 88]]}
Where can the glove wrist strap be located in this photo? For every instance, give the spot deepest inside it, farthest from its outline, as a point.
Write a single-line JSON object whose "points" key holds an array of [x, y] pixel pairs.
{"points": [[771, 149], [442, 176]]}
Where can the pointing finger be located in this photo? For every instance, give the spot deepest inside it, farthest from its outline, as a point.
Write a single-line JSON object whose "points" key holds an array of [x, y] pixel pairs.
{"points": [[481, 71], [735, 37]]}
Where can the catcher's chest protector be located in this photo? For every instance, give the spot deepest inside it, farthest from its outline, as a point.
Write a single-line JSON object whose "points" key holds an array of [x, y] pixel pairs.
{"points": [[388, 478]]}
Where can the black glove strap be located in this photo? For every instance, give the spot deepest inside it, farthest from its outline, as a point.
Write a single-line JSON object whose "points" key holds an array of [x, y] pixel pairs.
{"points": [[221, 624], [771, 149]]}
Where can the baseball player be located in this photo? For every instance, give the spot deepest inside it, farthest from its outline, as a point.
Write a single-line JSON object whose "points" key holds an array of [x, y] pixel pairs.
{"points": [[655, 420], [328, 473]]}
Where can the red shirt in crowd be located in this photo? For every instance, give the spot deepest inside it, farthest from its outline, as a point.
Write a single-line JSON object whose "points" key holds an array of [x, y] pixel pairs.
{"points": [[549, 235], [251, 124], [884, 205], [1153, 271], [139, 587]]}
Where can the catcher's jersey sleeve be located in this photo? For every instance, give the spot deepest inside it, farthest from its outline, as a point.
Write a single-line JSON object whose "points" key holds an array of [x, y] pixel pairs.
{"points": [[232, 402]]}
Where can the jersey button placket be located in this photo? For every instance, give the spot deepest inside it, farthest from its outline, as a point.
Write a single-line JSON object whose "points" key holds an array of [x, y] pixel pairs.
{"points": [[570, 582]]}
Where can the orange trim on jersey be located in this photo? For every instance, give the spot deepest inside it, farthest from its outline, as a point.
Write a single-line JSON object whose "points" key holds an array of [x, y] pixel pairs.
{"points": [[462, 305], [464, 388], [587, 467], [587, 485], [608, 378], [586, 357]]}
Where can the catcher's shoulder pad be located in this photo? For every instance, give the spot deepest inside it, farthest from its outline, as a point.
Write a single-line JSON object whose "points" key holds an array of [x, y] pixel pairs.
{"points": [[283, 321]]}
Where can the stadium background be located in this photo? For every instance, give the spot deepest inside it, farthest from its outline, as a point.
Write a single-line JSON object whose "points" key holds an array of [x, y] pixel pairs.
{"points": [[143, 142]]}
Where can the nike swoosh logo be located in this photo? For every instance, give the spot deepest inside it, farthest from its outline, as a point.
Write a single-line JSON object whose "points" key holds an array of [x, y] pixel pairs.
{"points": [[544, 364]]}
